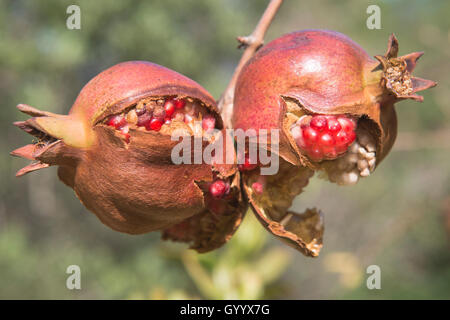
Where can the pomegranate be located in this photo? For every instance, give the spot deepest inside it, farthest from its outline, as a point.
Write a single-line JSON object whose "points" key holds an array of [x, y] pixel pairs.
{"points": [[334, 107], [114, 149]]}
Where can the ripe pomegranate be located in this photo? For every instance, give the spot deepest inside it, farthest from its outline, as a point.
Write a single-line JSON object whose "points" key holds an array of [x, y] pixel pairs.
{"points": [[114, 149], [334, 107]]}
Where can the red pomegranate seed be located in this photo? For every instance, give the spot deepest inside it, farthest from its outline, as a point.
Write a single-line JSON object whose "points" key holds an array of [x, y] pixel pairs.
{"points": [[219, 188], [169, 108], [325, 137], [333, 125], [310, 136], [208, 122], [341, 138], [326, 140], [167, 120], [154, 124], [316, 154], [117, 121], [347, 124], [319, 123], [179, 103]]}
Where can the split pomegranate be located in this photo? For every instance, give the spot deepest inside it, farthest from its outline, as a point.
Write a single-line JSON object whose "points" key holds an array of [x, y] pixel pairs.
{"points": [[334, 108], [114, 149]]}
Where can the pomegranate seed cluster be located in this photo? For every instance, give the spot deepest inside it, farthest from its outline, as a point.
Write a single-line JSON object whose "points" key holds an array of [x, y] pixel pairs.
{"points": [[359, 161], [324, 137], [155, 114]]}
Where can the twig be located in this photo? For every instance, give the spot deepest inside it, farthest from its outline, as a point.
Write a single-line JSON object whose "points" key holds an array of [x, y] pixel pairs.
{"points": [[251, 44]]}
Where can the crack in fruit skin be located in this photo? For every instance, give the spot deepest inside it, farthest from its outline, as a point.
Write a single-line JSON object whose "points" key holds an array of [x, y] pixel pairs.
{"points": [[324, 137], [154, 113]]}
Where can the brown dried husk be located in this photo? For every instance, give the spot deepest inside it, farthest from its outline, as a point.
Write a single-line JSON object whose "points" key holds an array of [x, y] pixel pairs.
{"points": [[132, 187]]}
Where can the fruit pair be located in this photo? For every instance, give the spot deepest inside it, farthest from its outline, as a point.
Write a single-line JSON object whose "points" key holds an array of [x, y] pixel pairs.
{"points": [[331, 102]]}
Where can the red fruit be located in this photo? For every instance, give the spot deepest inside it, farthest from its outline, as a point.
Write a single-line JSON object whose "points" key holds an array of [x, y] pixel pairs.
{"points": [[219, 188], [179, 103], [133, 187], [169, 108]]}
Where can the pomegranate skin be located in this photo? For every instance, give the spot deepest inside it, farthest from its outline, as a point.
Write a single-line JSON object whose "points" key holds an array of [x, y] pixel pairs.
{"points": [[128, 179]]}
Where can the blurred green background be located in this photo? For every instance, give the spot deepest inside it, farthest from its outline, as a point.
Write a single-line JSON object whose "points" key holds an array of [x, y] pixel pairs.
{"points": [[398, 219]]}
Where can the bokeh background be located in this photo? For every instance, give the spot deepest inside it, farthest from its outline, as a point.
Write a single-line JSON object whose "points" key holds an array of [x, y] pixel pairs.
{"points": [[398, 219]]}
